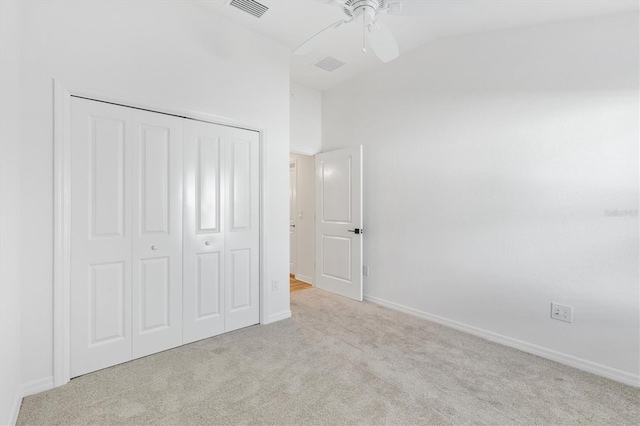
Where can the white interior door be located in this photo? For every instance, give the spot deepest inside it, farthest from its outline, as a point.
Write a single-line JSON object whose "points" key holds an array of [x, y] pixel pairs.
{"points": [[204, 222], [101, 235], [339, 222], [293, 207], [241, 155], [157, 232]]}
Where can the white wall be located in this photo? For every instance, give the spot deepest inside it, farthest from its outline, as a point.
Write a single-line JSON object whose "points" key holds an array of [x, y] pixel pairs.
{"points": [[490, 161], [306, 116], [174, 55], [10, 380], [306, 225]]}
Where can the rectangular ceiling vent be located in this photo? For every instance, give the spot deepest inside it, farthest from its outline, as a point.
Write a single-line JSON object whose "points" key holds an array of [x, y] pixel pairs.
{"points": [[329, 63], [252, 7]]}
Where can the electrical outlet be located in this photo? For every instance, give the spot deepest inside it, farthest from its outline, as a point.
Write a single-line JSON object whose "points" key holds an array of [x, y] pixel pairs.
{"points": [[561, 312], [365, 270], [274, 285]]}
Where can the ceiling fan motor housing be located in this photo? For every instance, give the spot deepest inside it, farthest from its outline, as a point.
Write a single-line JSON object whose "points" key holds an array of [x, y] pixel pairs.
{"points": [[367, 8]]}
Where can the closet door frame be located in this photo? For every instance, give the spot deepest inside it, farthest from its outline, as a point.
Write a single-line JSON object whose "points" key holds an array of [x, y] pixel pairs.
{"points": [[62, 94]]}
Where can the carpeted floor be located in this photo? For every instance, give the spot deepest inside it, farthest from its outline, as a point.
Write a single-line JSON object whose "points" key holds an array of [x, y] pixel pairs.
{"points": [[338, 362]]}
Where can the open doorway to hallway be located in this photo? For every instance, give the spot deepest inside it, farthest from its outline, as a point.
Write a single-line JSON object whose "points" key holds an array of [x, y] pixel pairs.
{"points": [[301, 221]]}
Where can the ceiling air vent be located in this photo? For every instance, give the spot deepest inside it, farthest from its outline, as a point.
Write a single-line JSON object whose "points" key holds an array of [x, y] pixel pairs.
{"points": [[250, 6], [329, 63]]}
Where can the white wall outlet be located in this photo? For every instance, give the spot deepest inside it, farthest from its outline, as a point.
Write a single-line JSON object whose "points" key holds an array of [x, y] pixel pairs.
{"points": [[561, 312], [274, 285], [365, 270]]}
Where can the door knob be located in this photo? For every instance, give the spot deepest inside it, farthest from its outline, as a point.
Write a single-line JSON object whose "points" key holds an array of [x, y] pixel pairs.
{"points": [[207, 243], [356, 231], [154, 247]]}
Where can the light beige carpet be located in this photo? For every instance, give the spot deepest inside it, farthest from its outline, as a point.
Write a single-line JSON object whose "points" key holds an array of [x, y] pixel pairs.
{"points": [[338, 362]]}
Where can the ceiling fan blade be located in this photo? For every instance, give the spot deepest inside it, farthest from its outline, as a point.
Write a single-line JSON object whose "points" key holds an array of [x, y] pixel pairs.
{"points": [[382, 42], [319, 39]]}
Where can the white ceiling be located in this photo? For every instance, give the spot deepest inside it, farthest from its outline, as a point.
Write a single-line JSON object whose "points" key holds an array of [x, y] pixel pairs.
{"points": [[291, 22]]}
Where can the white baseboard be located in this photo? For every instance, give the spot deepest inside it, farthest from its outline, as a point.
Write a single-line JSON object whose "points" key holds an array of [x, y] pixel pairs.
{"points": [[304, 279], [37, 386], [278, 317], [27, 389], [570, 360], [15, 408]]}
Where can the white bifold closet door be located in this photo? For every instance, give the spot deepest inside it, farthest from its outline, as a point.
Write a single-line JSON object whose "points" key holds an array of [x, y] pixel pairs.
{"points": [[126, 234], [221, 232], [145, 277]]}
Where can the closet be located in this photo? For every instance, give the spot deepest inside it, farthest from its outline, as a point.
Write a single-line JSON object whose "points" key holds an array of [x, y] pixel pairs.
{"points": [[164, 232]]}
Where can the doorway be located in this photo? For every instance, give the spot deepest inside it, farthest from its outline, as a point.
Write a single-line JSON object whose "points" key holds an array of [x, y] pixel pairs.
{"points": [[302, 205], [325, 221]]}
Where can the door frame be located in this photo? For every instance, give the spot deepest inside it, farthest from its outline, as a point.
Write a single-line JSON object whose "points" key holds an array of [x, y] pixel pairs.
{"points": [[62, 94]]}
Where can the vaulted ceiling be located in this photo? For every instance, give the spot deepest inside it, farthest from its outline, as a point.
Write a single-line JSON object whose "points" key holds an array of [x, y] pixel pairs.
{"points": [[291, 22]]}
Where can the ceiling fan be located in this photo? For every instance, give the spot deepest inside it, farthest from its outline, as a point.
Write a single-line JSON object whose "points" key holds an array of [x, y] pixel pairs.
{"points": [[375, 32]]}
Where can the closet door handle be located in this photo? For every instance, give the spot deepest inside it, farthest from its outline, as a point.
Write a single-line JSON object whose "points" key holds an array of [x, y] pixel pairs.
{"points": [[207, 243], [154, 247]]}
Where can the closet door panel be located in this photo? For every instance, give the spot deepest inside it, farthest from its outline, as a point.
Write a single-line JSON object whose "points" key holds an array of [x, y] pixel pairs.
{"points": [[207, 185], [208, 286], [155, 294], [204, 255], [157, 248], [240, 280], [242, 237], [155, 174], [101, 237]]}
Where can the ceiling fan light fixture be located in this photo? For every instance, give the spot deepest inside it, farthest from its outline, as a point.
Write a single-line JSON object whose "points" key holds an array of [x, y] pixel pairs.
{"points": [[382, 41], [353, 8]]}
